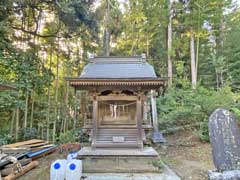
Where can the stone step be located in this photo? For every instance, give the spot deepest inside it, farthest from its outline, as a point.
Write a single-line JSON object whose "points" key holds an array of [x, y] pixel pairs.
{"points": [[111, 135], [129, 135], [110, 139], [108, 144], [121, 160], [117, 130]]}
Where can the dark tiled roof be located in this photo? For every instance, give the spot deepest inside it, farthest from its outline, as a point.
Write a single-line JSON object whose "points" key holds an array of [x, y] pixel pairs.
{"points": [[118, 67]]}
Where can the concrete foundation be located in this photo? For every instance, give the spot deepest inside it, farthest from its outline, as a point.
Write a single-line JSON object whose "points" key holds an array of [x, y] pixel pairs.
{"points": [[166, 174], [119, 160], [225, 175]]}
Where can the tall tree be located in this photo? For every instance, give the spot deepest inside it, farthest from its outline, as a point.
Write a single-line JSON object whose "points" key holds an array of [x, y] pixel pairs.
{"points": [[106, 34], [193, 60], [169, 44]]}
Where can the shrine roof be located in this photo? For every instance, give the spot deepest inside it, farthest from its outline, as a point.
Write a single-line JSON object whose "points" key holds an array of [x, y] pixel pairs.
{"points": [[118, 68]]}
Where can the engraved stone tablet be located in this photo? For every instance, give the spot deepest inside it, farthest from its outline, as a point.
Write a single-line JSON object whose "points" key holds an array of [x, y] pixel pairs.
{"points": [[118, 139], [225, 140]]}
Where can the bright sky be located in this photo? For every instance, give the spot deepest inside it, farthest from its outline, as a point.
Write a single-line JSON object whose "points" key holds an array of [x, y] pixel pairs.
{"points": [[124, 1], [121, 2]]}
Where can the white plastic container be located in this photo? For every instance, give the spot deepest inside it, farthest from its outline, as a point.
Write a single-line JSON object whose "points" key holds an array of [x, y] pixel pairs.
{"points": [[58, 169], [71, 156], [74, 170]]}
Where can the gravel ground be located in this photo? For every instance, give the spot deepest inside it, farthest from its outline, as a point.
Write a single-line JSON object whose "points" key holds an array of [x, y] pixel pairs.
{"points": [[185, 154]]}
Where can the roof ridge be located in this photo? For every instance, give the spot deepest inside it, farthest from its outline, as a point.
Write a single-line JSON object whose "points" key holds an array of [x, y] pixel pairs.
{"points": [[117, 59]]}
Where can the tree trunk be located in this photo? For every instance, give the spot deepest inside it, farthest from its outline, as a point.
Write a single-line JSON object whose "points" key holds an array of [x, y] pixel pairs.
{"points": [[132, 37], [147, 50], [106, 42], [198, 43], [26, 110], [66, 110], [221, 78], [106, 37], [65, 121], [217, 81], [49, 98], [169, 45], [222, 29], [193, 63], [75, 112], [38, 129], [42, 132], [56, 96], [17, 124], [32, 110], [197, 56], [48, 112], [12, 122]]}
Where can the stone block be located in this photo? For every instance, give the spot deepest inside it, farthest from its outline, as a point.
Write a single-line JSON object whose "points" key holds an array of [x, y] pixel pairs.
{"points": [[157, 137], [225, 175], [119, 160]]}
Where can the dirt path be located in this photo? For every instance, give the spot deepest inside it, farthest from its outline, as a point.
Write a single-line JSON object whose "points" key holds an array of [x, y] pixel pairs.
{"points": [[185, 154], [42, 172], [190, 158]]}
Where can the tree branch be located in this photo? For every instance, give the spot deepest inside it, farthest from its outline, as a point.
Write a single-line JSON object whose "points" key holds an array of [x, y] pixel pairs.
{"points": [[54, 34]]}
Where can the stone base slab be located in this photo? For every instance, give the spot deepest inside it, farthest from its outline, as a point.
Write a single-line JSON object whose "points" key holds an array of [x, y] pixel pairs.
{"points": [[166, 174], [119, 160], [226, 175], [98, 152]]}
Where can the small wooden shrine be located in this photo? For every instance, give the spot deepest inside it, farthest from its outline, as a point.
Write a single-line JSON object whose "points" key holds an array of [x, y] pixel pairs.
{"points": [[119, 88]]}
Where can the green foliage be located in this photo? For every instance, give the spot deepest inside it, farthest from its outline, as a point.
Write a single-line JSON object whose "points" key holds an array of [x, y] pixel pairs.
{"points": [[231, 49], [28, 133], [5, 139], [35, 33], [83, 136], [67, 137], [236, 111], [76, 13], [183, 107], [76, 135]]}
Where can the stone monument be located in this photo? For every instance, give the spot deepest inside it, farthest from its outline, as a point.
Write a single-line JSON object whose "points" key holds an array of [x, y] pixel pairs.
{"points": [[225, 141], [157, 136]]}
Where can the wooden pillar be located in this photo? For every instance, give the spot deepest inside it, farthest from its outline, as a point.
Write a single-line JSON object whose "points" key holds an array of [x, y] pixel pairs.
{"points": [[145, 111], [83, 102], [94, 121], [139, 120]]}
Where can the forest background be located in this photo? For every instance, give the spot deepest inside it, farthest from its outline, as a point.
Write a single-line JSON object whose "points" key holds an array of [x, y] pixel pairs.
{"points": [[196, 43]]}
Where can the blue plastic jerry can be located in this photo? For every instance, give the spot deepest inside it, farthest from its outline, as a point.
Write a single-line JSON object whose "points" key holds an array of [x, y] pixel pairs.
{"points": [[74, 170], [58, 169]]}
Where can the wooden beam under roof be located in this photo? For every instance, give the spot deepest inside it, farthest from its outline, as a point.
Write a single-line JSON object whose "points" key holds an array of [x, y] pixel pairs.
{"points": [[114, 82]]}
